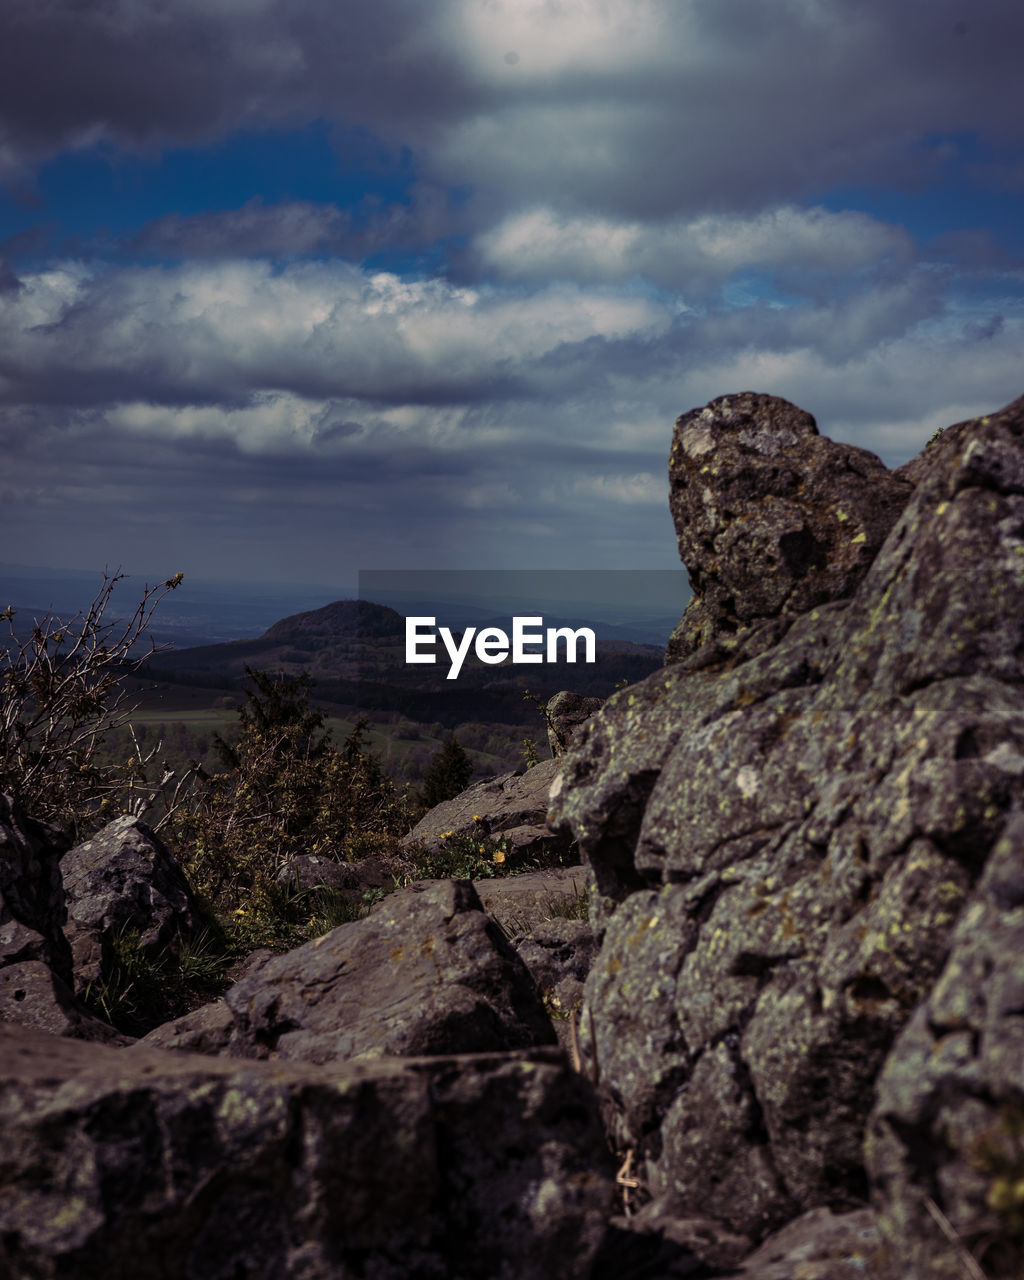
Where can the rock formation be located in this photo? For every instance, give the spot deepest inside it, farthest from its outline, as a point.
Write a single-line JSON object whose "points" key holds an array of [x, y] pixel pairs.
{"points": [[786, 825], [153, 1165], [771, 517]]}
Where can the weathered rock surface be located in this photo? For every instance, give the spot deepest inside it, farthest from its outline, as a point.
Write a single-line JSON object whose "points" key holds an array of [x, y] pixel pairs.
{"points": [[150, 1164], [426, 972], [513, 801], [783, 832], [771, 517], [949, 1120], [32, 908], [565, 712], [205, 1030], [31, 994], [125, 877], [520, 903], [821, 1245], [559, 955]]}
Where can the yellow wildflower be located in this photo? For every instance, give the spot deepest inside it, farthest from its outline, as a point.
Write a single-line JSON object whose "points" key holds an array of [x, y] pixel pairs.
{"points": [[499, 856]]}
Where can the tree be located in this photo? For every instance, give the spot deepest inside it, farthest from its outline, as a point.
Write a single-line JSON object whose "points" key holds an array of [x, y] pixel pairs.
{"points": [[447, 775], [62, 692]]}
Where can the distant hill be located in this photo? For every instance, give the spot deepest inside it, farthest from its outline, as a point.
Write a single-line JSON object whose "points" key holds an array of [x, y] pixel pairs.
{"points": [[355, 652], [344, 619]]}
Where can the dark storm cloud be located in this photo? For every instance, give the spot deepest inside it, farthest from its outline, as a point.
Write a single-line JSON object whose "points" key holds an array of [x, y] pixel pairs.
{"points": [[642, 107]]}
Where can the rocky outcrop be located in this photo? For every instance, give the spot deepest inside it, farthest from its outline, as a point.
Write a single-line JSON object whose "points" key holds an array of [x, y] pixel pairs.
{"points": [[125, 878], [771, 517], [565, 712], [515, 803], [426, 972], [153, 1164], [785, 826]]}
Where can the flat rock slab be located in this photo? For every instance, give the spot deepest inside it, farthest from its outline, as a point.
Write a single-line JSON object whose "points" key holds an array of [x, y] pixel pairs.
{"points": [[154, 1164], [519, 903], [426, 972], [514, 800]]}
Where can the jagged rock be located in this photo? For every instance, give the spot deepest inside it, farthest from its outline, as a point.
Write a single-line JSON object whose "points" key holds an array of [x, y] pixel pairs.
{"points": [[32, 908], [771, 517], [125, 877], [208, 1028], [948, 1126], [153, 1164], [782, 838], [565, 712], [426, 972], [514, 800]]}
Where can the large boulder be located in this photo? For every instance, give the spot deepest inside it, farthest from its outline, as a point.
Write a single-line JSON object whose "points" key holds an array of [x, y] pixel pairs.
{"points": [[426, 972], [771, 517], [783, 833], [150, 1164], [125, 877]]}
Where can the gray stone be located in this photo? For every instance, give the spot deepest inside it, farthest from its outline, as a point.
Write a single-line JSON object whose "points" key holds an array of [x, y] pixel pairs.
{"points": [[559, 955], [520, 903], [514, 800], [783, 831], [204, 1030], [427, 972], [771, 517], [946, 1138], [565, 712], [32, 908], [125, 878], [821, 1245], [31, 994], [153, 1164]]}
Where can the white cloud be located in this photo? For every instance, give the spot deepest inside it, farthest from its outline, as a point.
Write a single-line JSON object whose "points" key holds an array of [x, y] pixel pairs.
{"points": [[541, 243], [210, 332]]}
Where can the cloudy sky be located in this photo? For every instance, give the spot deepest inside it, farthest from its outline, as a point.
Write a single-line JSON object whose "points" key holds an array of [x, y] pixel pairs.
{"points": [[294, 288]]}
